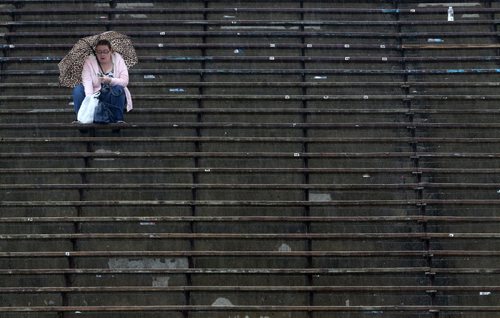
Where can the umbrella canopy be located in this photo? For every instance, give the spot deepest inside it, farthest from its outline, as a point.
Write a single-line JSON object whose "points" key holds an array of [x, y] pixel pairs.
{"points": [[71, 66]]}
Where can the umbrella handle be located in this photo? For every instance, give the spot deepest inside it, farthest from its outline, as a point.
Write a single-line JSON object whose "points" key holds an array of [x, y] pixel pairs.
{"points": [[95, 54]]}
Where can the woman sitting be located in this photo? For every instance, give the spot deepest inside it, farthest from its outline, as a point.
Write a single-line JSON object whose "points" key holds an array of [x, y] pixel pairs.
{"points": [[105, 72]]}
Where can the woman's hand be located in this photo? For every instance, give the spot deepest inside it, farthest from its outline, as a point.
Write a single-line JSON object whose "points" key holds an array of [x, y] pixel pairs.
{"points": [[105, 79]]}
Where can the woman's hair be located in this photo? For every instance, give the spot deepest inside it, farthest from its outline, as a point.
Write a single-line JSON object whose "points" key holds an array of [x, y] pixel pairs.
{"points": [[104, 42]]}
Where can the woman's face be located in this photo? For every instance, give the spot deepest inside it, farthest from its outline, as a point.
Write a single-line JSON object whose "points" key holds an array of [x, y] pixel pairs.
{"points": [[103, 53]]}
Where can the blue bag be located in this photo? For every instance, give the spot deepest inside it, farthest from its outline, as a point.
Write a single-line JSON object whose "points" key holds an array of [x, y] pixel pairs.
{"points": [[111, 105]]}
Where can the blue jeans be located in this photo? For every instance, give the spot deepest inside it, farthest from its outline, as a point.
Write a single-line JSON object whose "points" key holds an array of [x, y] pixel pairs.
{"points": [[117, 97], [78, 97]]}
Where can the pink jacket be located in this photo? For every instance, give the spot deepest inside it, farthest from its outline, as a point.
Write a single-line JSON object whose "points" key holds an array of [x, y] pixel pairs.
{"points": [[90, 76]]}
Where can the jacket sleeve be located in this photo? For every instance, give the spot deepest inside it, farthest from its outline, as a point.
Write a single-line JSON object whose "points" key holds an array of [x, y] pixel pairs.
{"points": [[120, 71], [88, 77]]}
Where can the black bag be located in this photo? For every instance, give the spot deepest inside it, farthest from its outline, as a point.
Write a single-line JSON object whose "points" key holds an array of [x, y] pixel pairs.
{"points": [[111, 105]]}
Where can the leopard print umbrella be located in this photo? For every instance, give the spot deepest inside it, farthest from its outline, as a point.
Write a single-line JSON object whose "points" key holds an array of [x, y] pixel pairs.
{"points": [[71, 66]]}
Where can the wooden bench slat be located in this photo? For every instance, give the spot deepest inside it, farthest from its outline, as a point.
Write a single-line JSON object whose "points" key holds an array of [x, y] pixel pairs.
{"points": [[308, 186], [253, 271], [243, 271], [330, 155], [250, 236], [253, 203], [274, 71], [232, 9], [306, 84], [276, 46], [249, 22], [276, 59], [308, 140], [249, 308], [217, 219], [410, 170], [229, 125], [217, 253], [263, 289]]}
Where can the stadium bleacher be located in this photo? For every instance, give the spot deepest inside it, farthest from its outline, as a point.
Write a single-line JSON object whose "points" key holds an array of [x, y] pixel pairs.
{"points": [[289, 158]]}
